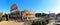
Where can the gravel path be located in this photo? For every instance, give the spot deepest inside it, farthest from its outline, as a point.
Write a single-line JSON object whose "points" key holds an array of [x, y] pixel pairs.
{"points": [[11, 23], [52, 23]]}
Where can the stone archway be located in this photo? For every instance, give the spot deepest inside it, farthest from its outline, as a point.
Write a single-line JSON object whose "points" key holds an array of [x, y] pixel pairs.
{"points": [[5, 17]]}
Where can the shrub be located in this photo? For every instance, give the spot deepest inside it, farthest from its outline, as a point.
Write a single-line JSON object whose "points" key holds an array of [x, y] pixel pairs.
{"points": [[0, 18]]}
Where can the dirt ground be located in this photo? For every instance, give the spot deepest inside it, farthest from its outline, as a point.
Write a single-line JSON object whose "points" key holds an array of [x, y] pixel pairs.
{"points": [[10, 23]]}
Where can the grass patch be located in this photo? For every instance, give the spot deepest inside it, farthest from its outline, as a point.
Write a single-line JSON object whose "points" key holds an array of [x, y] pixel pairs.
{"points": [[28, 23], [52, 20]]}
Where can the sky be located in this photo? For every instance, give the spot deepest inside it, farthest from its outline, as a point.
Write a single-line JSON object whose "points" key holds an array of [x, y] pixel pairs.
{"points": [[38, 6]]}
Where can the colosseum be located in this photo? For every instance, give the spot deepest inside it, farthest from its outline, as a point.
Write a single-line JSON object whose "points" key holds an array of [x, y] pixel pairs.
{"points": [[28, 15], [22, 15]]}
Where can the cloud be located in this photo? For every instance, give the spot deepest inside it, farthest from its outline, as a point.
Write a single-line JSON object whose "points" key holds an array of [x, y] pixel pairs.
{"points": [[56, 9]]}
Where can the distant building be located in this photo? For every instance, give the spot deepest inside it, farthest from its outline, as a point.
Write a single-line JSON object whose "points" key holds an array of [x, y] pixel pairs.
{"points": [[28, 15], [52, 15], [58, 17], [1, 14]]}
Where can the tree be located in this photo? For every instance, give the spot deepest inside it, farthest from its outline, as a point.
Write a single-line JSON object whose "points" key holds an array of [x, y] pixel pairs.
{"points": [[0, 18], [40, 14], [41, 21], [36, 23]]}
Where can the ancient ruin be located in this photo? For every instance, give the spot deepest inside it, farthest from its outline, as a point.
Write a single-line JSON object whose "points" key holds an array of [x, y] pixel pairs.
{"points": [[21, 15]]}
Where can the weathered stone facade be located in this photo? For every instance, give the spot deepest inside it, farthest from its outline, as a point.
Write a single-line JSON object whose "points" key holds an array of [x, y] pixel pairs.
{"points": [[23, 15], [14, 12], [28, 14]]}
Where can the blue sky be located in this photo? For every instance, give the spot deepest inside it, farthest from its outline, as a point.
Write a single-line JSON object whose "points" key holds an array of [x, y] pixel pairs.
{"points": [[39, 6]]}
